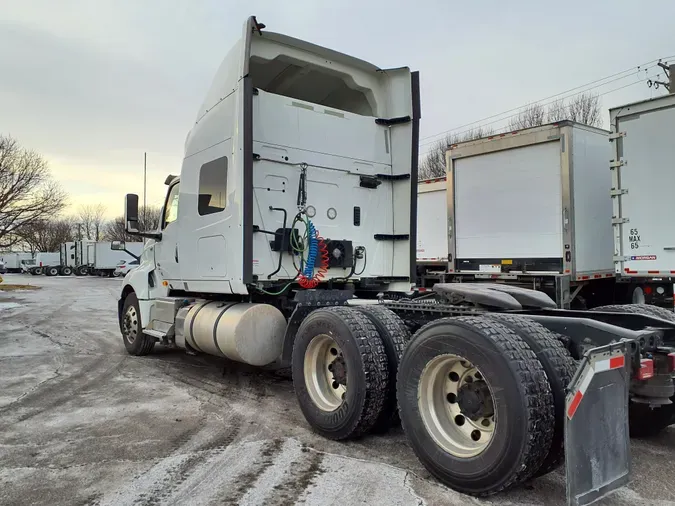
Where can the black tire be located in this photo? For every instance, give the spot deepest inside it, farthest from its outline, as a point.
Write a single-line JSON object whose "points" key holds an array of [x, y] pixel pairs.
{"points": [[559, 367], [523, 404], [365, 361], [52, 271], [644, 309], [135, 341], [395, 336], [82, 271], [66, 271], [645, 422]]}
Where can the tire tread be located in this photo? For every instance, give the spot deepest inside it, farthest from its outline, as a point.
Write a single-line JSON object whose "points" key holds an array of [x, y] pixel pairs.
{"points": [[374, 360], [534, 385], [548, 348], [396, 338]]}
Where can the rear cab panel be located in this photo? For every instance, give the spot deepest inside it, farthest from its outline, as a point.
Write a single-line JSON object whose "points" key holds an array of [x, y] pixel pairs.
{"points": [[278, 107], [315, 109]]}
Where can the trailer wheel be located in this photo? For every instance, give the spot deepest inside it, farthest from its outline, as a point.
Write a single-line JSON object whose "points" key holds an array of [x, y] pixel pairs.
{"points": [[475, 404], [135, 341], [559, 367], [36, 271], [339, 368], [81, 271], [395, 336], [66, 271], [52, 271]]}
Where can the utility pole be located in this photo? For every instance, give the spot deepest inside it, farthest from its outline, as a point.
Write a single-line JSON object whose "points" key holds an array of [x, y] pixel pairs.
{"points": [[669, 70], [145, 183]]}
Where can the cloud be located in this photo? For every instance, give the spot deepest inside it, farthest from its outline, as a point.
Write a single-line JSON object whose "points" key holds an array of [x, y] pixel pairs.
{"points": [[94, 84]]}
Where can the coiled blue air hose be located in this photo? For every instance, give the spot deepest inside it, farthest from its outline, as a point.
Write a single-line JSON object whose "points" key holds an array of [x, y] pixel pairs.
{"points": [[312, 250]]}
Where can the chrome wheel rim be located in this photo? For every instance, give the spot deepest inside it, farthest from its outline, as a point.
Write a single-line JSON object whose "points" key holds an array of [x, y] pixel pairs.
{"points": [[325, 373], [457, 406], [131, 324]]}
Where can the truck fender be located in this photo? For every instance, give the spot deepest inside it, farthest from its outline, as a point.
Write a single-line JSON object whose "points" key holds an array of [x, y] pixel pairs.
{"points": [[306, 302]]}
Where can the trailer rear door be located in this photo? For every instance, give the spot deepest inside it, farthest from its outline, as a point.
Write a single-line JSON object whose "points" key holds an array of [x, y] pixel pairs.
{"points": [[645, 208], [432, 222], [508, 206]]}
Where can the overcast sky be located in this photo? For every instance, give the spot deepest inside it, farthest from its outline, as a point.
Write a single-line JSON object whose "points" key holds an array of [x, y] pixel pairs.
{"points": [[92, 84]]}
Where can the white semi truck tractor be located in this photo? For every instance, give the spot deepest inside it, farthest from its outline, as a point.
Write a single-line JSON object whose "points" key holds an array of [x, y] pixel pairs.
{"points": [[288, 240]]}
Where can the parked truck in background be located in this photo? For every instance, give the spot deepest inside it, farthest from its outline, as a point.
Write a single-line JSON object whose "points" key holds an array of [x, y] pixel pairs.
{"points": [[67, 258], [529, 208], [643, 181], [295, 247], [506, 211], [81, 257], [14, 260], [102, 260], [46, 262]]}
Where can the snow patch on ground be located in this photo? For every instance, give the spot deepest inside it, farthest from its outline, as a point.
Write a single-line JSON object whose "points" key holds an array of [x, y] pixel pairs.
{"points": [[9, 305]]}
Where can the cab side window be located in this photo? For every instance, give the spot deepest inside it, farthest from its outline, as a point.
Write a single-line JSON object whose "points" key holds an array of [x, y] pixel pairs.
{"points": [[212, 186], [171, 206]]}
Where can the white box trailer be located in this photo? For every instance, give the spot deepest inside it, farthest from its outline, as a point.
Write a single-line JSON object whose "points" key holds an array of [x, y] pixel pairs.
{"points": [[643, 184], [103, 260], [432, 223], [14, 260], [529, 207]]}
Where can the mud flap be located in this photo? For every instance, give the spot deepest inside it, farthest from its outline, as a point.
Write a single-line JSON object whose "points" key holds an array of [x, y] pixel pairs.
{"points": [[597, 443]]}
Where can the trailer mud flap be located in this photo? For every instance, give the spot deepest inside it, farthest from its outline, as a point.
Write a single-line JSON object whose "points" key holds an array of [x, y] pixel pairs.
{"points": [[597, 443]]}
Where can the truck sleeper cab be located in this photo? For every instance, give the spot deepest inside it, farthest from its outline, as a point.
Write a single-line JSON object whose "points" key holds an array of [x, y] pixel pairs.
{"points": [[287, 240]]}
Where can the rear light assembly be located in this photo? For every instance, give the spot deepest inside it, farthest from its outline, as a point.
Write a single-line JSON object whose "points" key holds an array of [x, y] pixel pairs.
{"points": [[671, 362], [646, 369]]}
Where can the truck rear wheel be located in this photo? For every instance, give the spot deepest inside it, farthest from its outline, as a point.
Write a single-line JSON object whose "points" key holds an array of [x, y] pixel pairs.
{"points": [[339, 368], [52, 271], [475, 404], [135, 341], [81, 270], [66, 271], [395, 336], [36, 271], [559, 367]]}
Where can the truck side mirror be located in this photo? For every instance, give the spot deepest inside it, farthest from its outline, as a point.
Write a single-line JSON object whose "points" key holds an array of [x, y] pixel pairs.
{"points": [[131, 213], [118, 245]]}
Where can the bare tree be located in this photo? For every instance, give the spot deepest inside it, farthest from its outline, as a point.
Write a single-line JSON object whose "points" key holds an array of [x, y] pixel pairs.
{"points": [[557, 111], [433, 163], [91, 220], [149, 218], [585, 108], [27, 192], [533, 115], [47, 235]]}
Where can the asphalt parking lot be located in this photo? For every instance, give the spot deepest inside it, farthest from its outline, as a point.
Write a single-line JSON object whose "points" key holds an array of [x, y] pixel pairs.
{"points": [[81, 422]]}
